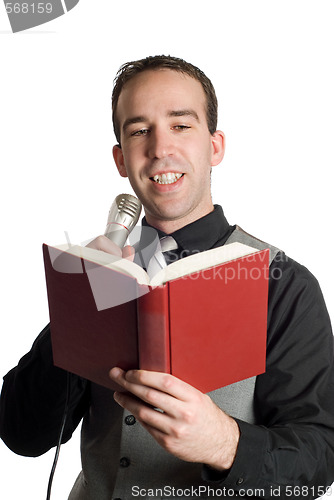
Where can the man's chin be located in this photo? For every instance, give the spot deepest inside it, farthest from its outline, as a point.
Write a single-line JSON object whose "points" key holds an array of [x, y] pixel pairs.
{"points": [[170, 218]]}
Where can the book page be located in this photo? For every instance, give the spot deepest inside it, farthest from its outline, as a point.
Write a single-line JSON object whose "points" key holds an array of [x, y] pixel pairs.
{"points": [[202, 260], [182, 267], [107, 260]]}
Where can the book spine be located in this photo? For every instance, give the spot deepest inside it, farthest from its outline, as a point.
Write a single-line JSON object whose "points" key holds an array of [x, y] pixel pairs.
{"points": [[153, 329]]}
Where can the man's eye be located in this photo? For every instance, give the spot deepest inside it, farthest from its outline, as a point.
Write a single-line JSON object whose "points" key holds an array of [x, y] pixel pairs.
{"points": [[181, 127], [142, 131]]}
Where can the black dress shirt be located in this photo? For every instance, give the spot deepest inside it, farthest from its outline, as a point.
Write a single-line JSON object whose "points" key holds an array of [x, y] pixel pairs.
{"points": [[289, 453]]}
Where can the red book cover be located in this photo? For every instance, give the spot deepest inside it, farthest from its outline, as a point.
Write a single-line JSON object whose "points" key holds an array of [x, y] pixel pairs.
{"points": [[207, 328]]}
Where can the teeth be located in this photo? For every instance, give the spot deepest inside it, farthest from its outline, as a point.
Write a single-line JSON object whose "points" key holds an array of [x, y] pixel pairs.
{"points": [[168, 178]]}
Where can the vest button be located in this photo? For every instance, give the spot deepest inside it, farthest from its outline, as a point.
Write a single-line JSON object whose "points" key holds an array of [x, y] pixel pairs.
{"points": [[124, 462], [240, 481], [130, 420]]}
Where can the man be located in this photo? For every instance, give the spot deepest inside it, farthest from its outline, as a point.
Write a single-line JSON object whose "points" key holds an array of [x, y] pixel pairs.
{"points": [[263, 437]]}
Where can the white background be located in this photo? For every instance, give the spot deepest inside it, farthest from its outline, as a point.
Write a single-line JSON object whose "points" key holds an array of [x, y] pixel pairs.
{"points": [[272, 65]]}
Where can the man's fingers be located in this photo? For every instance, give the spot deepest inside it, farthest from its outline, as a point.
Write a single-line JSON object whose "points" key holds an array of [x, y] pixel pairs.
{"points": [[163, 382], [105, 245], [149, 395], [143, 383]]}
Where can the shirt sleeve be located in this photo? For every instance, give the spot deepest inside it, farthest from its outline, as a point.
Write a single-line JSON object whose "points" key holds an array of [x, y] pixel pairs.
{"points": [[33, 399], [290, 450]]}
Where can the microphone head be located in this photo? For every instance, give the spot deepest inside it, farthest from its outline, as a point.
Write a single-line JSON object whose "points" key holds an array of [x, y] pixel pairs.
{"points": [[123, 216]]}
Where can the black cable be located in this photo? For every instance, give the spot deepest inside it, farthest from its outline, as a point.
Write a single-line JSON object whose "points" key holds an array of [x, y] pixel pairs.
{"points": [[48, 496]]}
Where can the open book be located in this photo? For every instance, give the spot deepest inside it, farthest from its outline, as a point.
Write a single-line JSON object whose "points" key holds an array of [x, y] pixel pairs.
{"points": [[202, 318]]}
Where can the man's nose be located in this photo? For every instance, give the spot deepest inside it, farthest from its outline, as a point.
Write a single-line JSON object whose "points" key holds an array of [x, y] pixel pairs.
{"points": [[160, 144]]}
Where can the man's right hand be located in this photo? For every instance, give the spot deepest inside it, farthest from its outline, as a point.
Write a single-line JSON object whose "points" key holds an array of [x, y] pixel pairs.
{"points": [[105, 245]]}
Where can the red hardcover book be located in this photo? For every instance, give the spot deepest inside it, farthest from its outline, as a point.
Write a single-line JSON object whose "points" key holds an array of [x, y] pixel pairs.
{"points": [[202, 319]]}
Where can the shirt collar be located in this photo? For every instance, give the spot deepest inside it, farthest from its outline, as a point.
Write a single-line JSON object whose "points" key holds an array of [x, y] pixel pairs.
{"points": [[202, 234]]}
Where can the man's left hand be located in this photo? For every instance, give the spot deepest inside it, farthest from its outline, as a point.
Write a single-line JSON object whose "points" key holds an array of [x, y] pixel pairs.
{"points": [[183, 420]]}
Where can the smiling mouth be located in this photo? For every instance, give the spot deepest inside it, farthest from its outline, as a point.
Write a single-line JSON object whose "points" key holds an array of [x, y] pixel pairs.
{"points": [[168, 178]]}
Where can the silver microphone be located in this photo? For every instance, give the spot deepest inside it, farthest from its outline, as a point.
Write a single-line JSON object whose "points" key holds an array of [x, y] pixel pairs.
{"points": [[122, 218]]}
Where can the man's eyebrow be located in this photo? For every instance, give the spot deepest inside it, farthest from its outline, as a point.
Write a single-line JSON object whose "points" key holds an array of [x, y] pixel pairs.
{"points": [[184, 112]]}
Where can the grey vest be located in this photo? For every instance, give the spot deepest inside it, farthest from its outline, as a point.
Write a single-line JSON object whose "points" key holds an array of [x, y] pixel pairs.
{"points": [[120, 459]]}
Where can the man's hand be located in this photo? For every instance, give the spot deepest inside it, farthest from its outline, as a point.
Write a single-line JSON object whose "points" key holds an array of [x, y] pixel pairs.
{"points": [[103, 243], [187, 423]]}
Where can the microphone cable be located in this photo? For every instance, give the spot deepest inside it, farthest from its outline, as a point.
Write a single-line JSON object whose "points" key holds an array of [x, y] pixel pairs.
{"points": [[63, 423]]}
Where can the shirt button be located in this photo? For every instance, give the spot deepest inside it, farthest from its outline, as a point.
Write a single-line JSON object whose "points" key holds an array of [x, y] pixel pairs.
{"points": [[240, 481], [130, 420], [124, 462]]}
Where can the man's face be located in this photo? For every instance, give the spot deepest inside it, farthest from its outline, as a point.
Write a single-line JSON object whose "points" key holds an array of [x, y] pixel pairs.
{"points": [[167, 150]]}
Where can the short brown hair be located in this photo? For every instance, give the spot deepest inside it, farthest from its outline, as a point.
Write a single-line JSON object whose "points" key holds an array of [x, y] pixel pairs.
{"points": [[129, 70]]}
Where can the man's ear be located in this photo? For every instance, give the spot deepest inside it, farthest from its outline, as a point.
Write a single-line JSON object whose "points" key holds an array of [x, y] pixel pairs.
{"points": [[218, 147], [119, 160]]}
